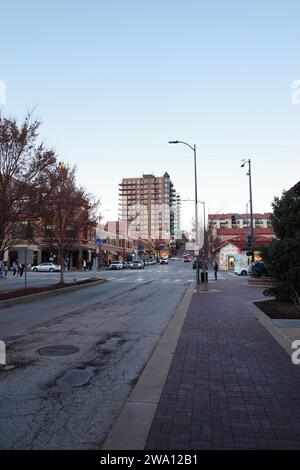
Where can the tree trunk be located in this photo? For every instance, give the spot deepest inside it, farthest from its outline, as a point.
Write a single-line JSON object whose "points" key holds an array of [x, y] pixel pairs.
{"points": [[61, 260]]}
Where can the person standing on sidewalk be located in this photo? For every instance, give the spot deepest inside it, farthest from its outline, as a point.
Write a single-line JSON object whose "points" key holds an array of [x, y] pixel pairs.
{"points": [[5, 268], [216, 269]]}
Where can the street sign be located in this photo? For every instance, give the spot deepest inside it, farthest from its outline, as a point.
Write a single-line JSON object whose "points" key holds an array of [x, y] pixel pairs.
{"points": [[100, 241], [25, 256]]}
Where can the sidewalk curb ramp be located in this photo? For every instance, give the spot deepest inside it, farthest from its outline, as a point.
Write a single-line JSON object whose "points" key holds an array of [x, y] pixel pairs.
{"points": [[132, 426], [40, 295]]}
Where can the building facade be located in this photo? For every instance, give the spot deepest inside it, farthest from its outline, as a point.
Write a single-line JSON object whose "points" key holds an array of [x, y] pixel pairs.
{"points": [[149, 206], [228, 236]]}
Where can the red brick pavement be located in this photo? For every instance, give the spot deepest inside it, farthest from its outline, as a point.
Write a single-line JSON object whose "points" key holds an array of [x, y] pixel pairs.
{"points": [[230, 385]]}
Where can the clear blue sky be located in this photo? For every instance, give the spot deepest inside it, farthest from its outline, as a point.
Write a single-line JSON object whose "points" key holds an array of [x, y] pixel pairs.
{"points": [[113, 81]]}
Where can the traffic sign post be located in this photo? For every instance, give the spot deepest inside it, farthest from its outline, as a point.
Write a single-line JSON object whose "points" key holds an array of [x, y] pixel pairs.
{"points": [[25, 257]]}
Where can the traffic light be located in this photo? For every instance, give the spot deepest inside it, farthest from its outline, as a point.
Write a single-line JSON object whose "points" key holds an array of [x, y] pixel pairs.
{"points": [[249, 246], [233, 220]]}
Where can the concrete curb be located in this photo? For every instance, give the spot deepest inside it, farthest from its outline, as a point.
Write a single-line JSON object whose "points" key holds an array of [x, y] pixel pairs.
{"points": [[270, 326], [131, 429], [40, 295]]}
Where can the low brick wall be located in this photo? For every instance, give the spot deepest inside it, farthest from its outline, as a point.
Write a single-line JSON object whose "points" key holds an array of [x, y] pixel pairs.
{"points": [[260, 281]]}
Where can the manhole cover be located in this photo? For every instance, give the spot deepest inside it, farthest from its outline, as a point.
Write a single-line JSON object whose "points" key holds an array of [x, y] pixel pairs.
{"points": [[58, 350]]}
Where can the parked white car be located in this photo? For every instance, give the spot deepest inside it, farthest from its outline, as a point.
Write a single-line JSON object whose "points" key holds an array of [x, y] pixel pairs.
{"points": [[46, 267], [242, 270], [116, 265]]}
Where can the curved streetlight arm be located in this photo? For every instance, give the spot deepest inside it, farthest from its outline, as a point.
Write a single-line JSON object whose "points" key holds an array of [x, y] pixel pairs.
{"points": [[181, 142]]}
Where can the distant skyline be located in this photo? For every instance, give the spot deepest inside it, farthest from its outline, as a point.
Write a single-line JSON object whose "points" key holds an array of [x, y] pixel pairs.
{"points": [[113, 82]]}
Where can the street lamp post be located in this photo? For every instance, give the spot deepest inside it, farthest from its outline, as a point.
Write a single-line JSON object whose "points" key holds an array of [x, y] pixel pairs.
{"points": [[204, 250], [251, 207], [196, 202]]}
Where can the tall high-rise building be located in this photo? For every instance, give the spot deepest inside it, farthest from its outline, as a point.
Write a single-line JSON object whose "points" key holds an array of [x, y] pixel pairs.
{"points": [[147, 204], [177, 216]]}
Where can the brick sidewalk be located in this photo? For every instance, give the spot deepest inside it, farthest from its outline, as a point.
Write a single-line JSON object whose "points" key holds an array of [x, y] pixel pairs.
{"points": [[230, 385]]}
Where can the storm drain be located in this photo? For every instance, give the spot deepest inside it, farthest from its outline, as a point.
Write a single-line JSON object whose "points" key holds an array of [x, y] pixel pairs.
{"points": [[58, 350]]}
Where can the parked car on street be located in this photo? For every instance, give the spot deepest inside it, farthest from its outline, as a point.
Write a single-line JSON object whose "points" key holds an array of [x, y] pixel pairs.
{"points": [[127, 264], [259, 269], [116, 265], [46, 267], [242, 270], [137, 264]]}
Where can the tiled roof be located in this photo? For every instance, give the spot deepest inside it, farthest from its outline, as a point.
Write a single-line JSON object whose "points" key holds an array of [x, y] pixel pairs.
{"points": [[265, 215], [242, 231]]}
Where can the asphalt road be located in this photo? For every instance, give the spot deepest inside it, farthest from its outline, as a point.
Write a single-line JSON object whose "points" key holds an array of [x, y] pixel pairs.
{"points": [[70, 401]]}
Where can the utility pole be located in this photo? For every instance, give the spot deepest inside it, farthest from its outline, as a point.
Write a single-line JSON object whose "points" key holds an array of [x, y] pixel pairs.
{"points": [[251, 207]]}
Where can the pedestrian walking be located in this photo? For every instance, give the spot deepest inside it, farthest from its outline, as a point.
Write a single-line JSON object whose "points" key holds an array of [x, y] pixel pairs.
{"points": [[21, 269], [84, 265], [16, 268], [5, 268], [216, 269], [1, 268]]}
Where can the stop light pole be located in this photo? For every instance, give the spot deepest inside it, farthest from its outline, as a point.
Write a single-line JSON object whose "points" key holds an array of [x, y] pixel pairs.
{"points": [[251, 208]]}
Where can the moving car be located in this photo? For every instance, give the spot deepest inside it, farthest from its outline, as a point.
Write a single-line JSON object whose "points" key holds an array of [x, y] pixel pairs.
{"points": [[137, 264], [116, 265], [46, 267], [187, 259], [163, 261]]}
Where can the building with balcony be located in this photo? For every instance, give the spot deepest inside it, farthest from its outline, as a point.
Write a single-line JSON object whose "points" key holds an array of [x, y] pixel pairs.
{"points": [[150, 208]]}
